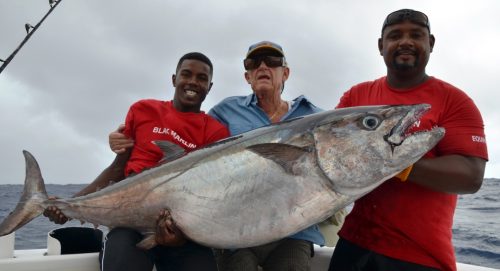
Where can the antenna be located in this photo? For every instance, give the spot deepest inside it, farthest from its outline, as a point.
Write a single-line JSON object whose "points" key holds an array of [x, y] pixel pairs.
{"points": [[29, 31]]}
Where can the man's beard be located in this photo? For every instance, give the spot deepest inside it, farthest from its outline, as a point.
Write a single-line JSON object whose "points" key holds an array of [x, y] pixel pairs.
{"points": [[404, 66]]}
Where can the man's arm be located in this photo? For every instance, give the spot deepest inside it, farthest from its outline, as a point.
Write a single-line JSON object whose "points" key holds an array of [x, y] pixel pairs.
{"points": [[456, 174], [115, 172]]}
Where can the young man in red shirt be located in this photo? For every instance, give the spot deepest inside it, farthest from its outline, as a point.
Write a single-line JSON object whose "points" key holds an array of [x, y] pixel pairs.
{"points": [[406, 223], [179, 121]]}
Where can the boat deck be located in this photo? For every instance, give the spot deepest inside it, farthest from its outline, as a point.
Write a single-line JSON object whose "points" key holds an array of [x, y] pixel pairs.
{"points": [[49, 259], [36, 259]]}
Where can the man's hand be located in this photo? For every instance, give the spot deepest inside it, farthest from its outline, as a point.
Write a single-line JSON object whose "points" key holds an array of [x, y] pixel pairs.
{"points": [[54, 214], [167, 233], [118, 142]]}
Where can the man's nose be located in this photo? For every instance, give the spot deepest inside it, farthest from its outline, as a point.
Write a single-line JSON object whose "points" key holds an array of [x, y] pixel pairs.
{"points": [[406, 40], [262, 64], [192, 80]]}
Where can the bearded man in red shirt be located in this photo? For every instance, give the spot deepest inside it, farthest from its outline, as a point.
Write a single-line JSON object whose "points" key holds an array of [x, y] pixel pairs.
{"points": [[406, 223]]}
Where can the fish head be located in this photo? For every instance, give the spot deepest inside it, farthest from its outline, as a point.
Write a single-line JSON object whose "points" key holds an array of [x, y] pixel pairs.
{"points": [[358, 148]]}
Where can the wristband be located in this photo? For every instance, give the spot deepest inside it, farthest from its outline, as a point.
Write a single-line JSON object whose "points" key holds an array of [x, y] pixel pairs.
{"points": [[403, 175]]}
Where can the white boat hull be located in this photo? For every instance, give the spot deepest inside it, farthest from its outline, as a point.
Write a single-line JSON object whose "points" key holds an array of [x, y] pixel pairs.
{"points": [[42, 260]]}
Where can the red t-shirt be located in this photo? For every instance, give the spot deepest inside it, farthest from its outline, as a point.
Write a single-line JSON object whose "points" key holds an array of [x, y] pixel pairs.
{"points": [[152, 120], [404, 220]]}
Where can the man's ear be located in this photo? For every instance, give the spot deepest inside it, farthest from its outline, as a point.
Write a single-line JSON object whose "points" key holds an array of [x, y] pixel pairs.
{"points": [[210, 87], [173, 80], [380, 46], [286, 73], [247, 77], [432, 40]]}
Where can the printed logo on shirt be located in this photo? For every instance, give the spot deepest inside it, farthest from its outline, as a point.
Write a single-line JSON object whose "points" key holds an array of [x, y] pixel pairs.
{"points": [[479, 139], [174, 135]]}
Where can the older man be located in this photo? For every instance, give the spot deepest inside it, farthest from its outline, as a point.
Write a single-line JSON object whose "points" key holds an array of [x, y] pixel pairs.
{"points": [[266, 72]]}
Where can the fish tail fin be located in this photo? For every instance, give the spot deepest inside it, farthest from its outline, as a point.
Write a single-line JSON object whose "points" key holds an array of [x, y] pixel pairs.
{"points": [[30, 204]]}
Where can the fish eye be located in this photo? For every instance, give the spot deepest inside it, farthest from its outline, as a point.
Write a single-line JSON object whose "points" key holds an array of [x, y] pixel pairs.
{"points": [[370, 122]]}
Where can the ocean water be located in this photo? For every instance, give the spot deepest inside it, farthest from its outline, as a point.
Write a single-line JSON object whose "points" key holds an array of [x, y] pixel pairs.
{"points": [[476, 227], [476, 230]]}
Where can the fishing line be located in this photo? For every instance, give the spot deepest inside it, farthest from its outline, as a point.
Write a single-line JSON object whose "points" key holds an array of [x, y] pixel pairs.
{"points": [[29, 32]]}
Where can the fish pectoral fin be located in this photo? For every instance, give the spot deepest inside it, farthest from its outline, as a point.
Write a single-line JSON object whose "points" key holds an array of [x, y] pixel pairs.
{"points": [[284, 155], [171, 151], [148, 242]]}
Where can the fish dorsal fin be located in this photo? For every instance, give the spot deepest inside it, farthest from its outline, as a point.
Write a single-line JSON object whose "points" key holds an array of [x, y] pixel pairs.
{"points": [[283, 154], [171, 151]]}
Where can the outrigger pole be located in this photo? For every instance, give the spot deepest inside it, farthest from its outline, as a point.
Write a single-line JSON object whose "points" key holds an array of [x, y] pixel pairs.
{"points": [[29, 30]]}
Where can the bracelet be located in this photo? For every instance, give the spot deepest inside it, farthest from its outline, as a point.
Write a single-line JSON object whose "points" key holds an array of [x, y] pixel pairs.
{"points": [[403, 175]]}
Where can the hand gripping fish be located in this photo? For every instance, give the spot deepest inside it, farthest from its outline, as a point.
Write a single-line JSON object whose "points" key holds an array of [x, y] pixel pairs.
{"points": [[255, 187]]}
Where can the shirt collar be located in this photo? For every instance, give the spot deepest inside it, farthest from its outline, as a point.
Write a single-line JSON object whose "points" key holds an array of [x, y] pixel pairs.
{"points": [[252, 100]]}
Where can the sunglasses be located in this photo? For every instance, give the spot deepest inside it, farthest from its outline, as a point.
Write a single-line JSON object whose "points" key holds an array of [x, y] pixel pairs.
{"points": [[413, 16], [271, 62]]}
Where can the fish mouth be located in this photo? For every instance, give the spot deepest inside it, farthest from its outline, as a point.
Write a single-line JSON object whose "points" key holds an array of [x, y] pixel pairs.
{"points": [[399, 132]]}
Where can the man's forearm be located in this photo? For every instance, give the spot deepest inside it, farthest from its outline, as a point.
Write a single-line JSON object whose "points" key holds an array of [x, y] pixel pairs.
{"points": [[115, 172], [451, 173]]}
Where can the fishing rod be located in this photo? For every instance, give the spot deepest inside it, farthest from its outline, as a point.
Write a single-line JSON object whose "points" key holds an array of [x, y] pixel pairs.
{"points": [[29, 31]]}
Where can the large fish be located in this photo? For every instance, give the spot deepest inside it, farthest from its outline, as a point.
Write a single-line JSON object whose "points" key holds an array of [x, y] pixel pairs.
{"points": [[256, 187]]}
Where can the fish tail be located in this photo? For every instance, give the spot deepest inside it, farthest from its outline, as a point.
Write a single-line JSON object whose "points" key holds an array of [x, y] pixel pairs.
{"points": [[30, 204]]}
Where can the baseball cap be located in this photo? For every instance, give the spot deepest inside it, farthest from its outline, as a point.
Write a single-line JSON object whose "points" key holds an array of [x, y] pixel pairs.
{"points": [[265, 45], [411, 15]]}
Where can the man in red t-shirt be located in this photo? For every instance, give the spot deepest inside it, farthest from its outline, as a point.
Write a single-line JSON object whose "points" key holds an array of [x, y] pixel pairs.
{"points": [[181, 122], [405, 224]]}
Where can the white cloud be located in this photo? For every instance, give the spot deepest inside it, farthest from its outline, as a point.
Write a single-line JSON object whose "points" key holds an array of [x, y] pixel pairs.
{"points": [[74, 80]]}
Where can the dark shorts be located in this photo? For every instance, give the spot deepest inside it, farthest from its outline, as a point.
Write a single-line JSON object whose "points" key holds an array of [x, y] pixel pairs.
{"points": [[120, 253], [349, 257], [286, 254]]}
